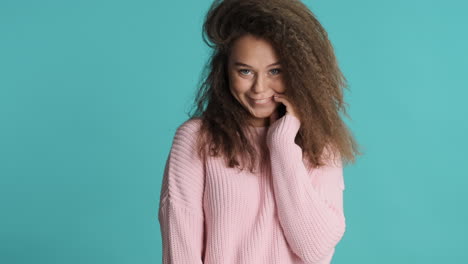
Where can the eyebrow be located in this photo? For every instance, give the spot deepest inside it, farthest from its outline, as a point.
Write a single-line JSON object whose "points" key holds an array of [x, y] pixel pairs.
{"points": [[246, 65]]}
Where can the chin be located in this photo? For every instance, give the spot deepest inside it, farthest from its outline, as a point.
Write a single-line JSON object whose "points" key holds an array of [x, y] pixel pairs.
{"points": [[263, 114]]}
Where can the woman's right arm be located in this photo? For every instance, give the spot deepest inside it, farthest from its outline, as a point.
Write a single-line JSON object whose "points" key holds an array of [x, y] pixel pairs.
{"points": [[180, 213]]}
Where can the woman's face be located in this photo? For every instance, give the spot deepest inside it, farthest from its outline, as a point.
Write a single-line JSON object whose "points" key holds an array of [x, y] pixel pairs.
{"points": [[254, 77]]}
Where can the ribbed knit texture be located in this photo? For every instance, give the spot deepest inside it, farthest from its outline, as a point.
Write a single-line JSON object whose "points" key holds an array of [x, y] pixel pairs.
{"points": [[283, 213]]}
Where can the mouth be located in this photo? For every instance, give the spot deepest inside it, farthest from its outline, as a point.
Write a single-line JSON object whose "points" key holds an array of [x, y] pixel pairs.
{"points": [[262, 101]]}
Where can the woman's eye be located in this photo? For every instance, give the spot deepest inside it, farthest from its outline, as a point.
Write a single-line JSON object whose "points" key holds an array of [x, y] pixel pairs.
{"points": [[246, 71], [243, 70], [278, 71]]}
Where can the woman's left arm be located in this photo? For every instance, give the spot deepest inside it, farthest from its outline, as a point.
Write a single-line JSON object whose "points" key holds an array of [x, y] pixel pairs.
{"points": [[310, 209]]}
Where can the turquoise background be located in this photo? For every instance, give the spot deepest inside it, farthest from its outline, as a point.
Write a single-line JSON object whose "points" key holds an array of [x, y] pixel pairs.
{"points": [[91, 93]]}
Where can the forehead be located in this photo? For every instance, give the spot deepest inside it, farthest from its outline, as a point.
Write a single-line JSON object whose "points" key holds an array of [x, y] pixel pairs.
{"points": [[250, 48]]}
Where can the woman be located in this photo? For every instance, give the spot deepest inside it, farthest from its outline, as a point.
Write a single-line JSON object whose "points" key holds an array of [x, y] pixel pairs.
{"points": [[271, 100]]}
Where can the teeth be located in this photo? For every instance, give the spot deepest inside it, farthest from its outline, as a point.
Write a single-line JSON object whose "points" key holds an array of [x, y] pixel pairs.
{"points": [[262, 100]]}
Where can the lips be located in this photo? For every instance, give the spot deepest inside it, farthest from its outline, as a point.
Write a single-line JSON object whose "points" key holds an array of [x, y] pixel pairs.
{"points": [[262, 101]]}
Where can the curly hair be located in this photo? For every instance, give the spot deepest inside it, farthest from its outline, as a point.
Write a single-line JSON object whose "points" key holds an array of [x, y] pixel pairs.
{"points": [[313, 81]]}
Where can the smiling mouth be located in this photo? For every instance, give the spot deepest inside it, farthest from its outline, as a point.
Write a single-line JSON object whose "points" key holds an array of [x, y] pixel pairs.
{"points": [[262, 101]]}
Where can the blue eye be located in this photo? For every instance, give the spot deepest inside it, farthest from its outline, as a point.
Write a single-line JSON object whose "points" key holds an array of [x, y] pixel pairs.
{"points": [[243, 70], [279, 71], [246, 71]]}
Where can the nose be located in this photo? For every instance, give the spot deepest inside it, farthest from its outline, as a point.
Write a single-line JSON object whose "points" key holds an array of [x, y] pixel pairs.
{"points": [[259, 85]]}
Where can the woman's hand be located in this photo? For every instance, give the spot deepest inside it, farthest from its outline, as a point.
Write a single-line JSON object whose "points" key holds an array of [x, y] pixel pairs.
{"points": [[287, 133], [289, 107]]}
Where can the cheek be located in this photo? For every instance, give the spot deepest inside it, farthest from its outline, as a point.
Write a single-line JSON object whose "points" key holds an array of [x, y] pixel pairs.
{"points": [[240, 85], [236, 91], [279, 87]]}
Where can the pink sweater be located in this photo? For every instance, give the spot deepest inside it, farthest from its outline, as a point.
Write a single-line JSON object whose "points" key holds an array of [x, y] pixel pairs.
{"points": [[281, 214]]}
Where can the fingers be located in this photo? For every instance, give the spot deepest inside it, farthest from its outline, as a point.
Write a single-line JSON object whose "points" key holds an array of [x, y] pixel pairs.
{"points": [[283, 99]]}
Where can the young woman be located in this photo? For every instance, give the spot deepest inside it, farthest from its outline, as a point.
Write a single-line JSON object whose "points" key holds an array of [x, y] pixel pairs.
{"points": [[270, 101]]}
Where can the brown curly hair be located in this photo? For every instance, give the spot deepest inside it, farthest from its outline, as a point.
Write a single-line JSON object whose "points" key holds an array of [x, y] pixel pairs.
{"points": [[313, 79]]}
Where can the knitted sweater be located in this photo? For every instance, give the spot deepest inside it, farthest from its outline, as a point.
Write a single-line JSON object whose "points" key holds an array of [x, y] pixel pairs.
{"points": [[283, 213]]}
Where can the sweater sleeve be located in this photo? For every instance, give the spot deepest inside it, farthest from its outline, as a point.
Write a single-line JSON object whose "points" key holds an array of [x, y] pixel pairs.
{"points": [[180, 212], [310, 203]]}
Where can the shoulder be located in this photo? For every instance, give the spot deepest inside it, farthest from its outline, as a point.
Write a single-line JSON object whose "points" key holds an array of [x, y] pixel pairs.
{"points": [[186, 134], [189, 128]]}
